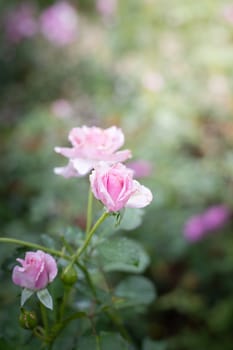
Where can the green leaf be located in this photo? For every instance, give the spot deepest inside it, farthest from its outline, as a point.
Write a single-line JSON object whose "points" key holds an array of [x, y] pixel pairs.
{"points": [[26, 294], [135, 290], [73, 236], [123, 254], [48, 241], [131, 219], [5, 345], [45, 298], [149, 344], [105, 341]]}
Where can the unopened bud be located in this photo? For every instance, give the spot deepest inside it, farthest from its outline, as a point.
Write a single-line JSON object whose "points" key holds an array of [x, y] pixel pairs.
{"points": [[27, 319], [69, 275]]}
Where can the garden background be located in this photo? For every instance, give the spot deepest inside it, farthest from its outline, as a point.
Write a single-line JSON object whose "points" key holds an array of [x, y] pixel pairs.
{"points": [[162, 71]]}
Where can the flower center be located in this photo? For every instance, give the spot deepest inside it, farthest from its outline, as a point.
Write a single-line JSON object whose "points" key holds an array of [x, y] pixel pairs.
{"points": [[115, 185]]}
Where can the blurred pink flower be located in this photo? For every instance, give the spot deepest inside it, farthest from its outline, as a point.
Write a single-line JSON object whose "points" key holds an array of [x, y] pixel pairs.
{"points": [[62, 108], [115, 188], [59, 23], [228, 13], [141, 168], [37, 270], [194, 228], [90, 146], [20, 22], [214, 218], [153, 81], [106, 8]]}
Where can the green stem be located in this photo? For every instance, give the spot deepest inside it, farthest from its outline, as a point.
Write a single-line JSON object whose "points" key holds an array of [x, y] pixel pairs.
{"points": [[64, 302], [88, 278], [97, 342], [44, 318], [89, 210], [35, 246], [89, 236], [118, 323]]}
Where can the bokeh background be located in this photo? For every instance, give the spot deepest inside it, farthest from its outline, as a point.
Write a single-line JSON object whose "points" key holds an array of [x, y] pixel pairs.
{"points": [[162, 71]]}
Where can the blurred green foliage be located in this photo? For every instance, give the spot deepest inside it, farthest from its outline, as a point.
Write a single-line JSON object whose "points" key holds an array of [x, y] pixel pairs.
{"points": [[163, 72]]}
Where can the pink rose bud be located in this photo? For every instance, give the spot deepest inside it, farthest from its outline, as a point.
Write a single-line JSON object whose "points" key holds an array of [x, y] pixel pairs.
{"points": [[37, 270], [115, 187], [90, 146]]}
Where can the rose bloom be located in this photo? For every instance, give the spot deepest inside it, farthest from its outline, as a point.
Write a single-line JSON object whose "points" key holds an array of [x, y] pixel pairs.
{"points": [[90, 146], [37, 270], [115, 187], [59, 23]]}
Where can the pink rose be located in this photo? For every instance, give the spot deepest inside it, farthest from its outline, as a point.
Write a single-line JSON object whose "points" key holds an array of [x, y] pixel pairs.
{"points": [[115, 187], [37, 270], [90, 146]]}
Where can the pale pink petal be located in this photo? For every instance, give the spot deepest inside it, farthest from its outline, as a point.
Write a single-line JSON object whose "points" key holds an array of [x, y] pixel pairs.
{"points": [[120, 156], [17, 276], [67, 171], [116, 136], [42, 280], [141, 196], [66, 151], [83, 166], [51, 267]]}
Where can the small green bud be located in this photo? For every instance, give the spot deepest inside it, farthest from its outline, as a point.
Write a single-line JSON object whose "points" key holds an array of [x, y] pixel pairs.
{"points": [[69, 275], [27, 319]]}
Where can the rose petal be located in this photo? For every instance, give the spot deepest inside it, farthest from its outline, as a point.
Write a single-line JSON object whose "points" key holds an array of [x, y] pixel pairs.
{"points": [[141, 196]]}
